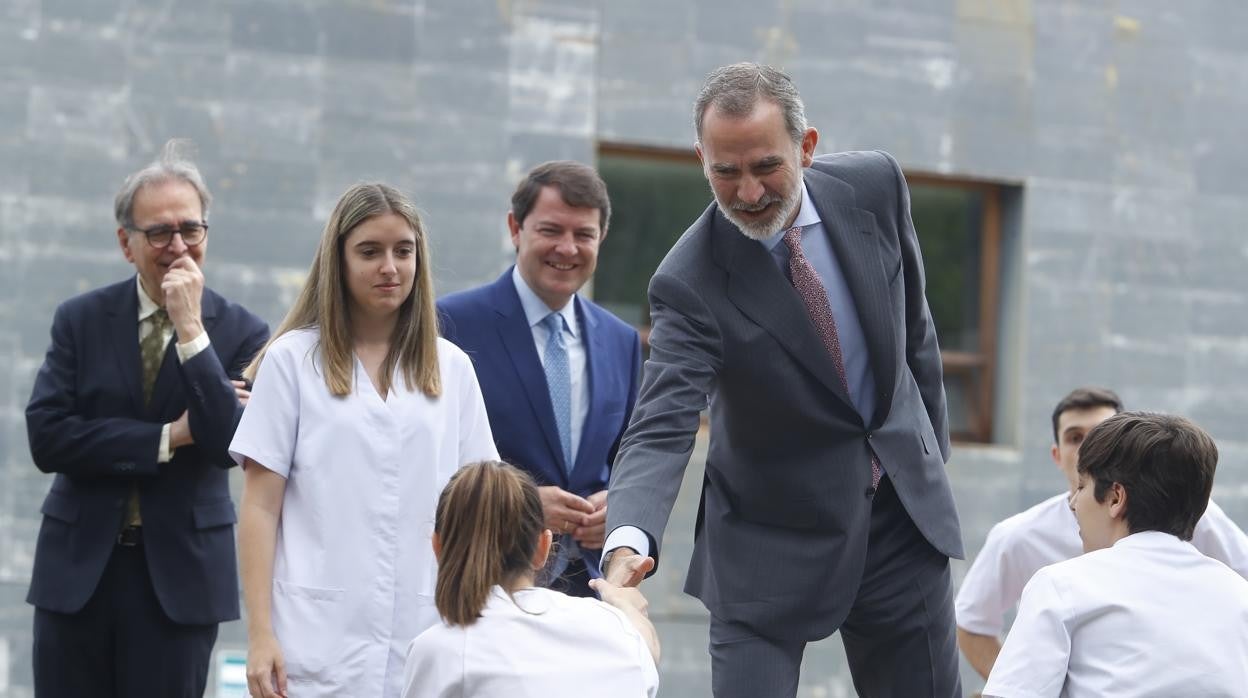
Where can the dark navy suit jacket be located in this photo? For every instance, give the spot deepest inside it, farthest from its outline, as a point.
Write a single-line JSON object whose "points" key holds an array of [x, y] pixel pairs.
{"points": [[489, 324], [87, 423]]}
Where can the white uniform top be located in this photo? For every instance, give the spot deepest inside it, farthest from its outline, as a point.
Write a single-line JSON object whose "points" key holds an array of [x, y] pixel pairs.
{"points": [[1047, 533], [353, 571], [544, 644], [1150, 617]]}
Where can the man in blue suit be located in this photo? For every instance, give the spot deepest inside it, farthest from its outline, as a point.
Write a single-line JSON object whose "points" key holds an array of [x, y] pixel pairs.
{"points": [[133, 410], [559, 373]]}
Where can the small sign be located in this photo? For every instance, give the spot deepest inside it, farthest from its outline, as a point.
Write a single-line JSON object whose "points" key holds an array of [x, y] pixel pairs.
{"points": [[231, 673]]}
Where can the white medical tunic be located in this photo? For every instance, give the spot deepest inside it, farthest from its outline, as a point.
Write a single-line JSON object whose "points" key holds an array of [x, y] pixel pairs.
{"points": [[1047, 533], [353, 572], [542, 644], [1150, 617]]}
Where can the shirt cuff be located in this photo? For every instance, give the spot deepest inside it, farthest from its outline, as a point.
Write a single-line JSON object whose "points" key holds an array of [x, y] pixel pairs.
{"points": [[628, 537], [188, 350], [164, 456]]}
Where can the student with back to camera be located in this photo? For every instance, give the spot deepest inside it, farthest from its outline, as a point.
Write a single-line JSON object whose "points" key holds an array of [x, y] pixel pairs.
{"points": [[499, 631]]}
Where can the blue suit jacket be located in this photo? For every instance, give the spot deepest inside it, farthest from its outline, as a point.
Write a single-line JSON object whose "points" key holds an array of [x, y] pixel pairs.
{"points": [[87, 423], [489, 324]]}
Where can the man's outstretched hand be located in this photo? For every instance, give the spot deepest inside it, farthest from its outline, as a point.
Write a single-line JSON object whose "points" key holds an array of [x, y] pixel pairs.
{"points": [[627, 567]]}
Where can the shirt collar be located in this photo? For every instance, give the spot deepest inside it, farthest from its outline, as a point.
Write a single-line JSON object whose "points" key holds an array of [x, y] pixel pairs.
{"points": [[147, 306], [536, 310], [807, 214], [1149, 539]]}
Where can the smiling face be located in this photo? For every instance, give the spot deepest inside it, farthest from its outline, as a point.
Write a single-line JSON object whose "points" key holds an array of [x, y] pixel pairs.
{"points": [[754, 167], [556, 247], [1072, 426], [379, 262], [169, 203]]}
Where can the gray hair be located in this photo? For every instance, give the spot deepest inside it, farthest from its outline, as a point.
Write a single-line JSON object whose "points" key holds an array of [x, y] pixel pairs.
{"points": [[735, 89], [174, 163]]}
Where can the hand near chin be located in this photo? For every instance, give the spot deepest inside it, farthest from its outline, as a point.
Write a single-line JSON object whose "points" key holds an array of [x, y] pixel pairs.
{"points": [[183, 287]]}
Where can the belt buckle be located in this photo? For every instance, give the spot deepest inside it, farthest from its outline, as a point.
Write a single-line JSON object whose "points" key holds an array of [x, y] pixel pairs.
{"points": [[130, 536]]}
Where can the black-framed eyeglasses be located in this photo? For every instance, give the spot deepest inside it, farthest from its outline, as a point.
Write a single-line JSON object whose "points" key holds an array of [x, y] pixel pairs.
{"points": [[160, 236]]}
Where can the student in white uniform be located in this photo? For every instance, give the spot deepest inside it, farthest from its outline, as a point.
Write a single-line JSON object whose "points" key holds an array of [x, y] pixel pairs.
{"points": [[359, 415], [503, 637], [1047, 533], [1142, 613]]}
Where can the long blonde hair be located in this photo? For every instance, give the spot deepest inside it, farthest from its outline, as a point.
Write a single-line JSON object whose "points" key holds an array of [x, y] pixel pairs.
{"points": [[323, 302]]}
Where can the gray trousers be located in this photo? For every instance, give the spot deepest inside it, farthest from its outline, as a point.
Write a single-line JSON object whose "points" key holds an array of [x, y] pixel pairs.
{"points": [[899, 636]]}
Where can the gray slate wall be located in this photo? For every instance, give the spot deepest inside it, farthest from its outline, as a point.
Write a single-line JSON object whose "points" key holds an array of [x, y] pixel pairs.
{"points": [[1118, 120]]}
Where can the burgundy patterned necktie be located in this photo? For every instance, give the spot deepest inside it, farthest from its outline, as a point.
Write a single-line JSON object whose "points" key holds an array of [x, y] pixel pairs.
{"points": [[815, 298]]}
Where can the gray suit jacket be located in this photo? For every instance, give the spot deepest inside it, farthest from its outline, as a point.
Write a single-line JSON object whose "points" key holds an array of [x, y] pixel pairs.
{"points": [[782, 527]]}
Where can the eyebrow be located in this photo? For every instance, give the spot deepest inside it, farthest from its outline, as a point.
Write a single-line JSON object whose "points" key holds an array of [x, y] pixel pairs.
{"points": [[769, 161], [378, 243]]}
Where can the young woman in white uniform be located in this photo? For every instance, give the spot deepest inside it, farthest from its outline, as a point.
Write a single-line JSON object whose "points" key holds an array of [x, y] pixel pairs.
{"points": [[358, 417], [502, 637]]}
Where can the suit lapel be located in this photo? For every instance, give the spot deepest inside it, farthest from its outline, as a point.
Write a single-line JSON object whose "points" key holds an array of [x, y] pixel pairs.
{"points": [[124, 328], [854, 236], [517, 339], [760, 290]]}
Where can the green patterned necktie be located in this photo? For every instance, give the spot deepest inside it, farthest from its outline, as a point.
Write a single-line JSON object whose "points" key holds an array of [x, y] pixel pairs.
{"points": [[152, 351]]}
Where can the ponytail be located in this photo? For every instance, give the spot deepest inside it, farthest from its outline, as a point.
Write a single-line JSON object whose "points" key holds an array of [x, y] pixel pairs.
{"points": [[489, 521]]}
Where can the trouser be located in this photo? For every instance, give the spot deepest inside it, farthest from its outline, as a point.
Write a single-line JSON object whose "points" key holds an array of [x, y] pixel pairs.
{"points": [[899, 635], [121, 644]]}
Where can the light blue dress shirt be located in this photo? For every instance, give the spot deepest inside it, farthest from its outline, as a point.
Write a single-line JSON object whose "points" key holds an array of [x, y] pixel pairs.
{"points": [[818, 250]]}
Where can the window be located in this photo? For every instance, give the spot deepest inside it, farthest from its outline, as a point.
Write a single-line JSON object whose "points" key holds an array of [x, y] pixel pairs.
{"points": [[656, 194], [959, 227]]}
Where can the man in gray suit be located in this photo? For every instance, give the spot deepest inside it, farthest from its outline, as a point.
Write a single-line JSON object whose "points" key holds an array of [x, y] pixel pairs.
{"points": [[795, 305]]}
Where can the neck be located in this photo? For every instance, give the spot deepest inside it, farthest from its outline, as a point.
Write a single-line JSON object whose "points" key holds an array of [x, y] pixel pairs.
{"points": [[157, 296], [523, 581], [552, 302], [371, 330], [1119, 531], [556, 304]]}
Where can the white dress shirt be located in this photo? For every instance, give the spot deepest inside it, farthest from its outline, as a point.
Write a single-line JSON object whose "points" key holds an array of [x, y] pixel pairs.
{"points": [[186, 351], [536, 310], [1150, 617], [1047, 533], [543, 644], [353, 569]]}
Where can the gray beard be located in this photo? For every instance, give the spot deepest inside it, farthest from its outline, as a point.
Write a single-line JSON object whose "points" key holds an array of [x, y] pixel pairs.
{"points": [[765, 228]]}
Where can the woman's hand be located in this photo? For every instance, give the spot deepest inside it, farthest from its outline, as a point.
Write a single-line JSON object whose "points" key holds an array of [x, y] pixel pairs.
{"points": [[266, 670], [622, 598], [634, 607]]}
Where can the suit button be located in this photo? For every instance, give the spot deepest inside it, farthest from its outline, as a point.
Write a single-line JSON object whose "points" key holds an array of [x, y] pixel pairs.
{"points": [[870, 492], [869, 435]]}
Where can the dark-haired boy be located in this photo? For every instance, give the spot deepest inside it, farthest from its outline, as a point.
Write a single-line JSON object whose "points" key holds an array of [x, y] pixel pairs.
{"points": [[1142, 613], [1047, 533]]}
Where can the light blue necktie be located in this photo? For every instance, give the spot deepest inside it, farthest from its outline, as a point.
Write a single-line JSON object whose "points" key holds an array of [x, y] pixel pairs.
{"points": [[559, 381]]}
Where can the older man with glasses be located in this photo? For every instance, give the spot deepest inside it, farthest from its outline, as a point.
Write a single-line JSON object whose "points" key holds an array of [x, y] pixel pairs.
{"points": [[133, 410]]}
